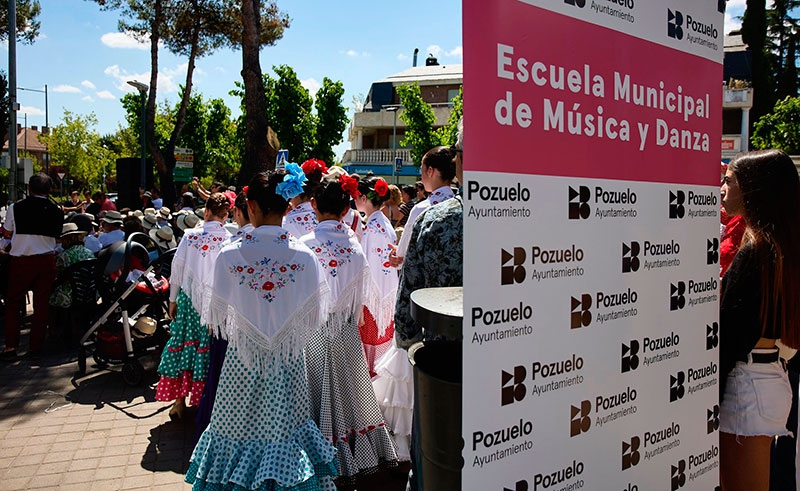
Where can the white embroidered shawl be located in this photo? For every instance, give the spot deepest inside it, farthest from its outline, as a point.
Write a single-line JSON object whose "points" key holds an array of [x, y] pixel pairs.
{"points": [[380, 301], [341, 257], [442, 194], [270, 295], [300, 220], [193, 264]]}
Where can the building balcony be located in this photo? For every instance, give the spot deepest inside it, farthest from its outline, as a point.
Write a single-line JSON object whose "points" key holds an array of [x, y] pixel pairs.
{"points": [[737, 98], [376, 156]]}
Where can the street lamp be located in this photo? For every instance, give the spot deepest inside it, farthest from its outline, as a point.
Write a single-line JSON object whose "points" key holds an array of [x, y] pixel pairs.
{"points": [[142, 88], [393, 110], [46, 124]]}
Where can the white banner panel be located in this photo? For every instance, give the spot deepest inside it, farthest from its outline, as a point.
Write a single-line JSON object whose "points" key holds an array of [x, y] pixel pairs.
{"points": [[591, 255]]}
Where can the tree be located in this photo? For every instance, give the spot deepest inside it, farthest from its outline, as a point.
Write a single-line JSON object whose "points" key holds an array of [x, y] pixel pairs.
{"points": [[76, 146], [288, 111], [754, 34], [27, 21], [782, 45], [419, 119], [781, 128], [331, 119]]}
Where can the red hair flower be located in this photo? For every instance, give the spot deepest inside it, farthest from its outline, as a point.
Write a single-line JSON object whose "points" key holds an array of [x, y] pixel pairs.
{"points": [[349, 185], [381, 187], [311, 165]]}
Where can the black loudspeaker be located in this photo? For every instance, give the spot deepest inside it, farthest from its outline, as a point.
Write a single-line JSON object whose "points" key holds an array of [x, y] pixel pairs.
{"points": [[128, 181]]}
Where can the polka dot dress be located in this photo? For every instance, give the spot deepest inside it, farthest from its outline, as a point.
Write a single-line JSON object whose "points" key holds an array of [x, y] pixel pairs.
{"points": [[185, 359], [261, 435]]}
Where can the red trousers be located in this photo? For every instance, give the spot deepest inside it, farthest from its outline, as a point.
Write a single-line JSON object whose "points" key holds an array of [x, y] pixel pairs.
{"points": [[37, 273]]}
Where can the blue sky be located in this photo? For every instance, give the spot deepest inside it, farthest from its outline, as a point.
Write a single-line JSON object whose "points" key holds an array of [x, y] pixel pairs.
{"points": [[86, 61]]}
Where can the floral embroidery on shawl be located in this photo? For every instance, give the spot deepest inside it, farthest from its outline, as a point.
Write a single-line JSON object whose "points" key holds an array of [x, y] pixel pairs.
{"points": [[266, 276]]}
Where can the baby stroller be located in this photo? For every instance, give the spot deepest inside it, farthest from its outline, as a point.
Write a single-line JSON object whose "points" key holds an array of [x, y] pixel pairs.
{"points": [[135, 324]]}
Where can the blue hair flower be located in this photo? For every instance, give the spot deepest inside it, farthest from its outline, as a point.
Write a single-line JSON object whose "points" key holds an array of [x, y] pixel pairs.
{"points": [[292, 184]]}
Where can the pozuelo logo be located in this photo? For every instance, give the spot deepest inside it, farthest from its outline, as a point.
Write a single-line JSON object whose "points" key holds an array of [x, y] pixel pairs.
{"points": [[676, 204], [678, 474], [580, 422], [580, 316], [514, 272], [579, 203], [630, 257], [520, 486], [630, 453], [712, 336], [513, 388], [676, 389], [712, 251], [674, 24], [712, 419], [630, 358], [676, 296], [577, 3]]}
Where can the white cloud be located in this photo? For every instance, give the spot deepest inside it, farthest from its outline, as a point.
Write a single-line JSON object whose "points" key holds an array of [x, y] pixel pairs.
{"points": [[106, 95], [166, 78], [66, 89], [457, 52], [351, 52], [732, 24], [403, 57], [433, 49], [220, 69], [123, 40], [30, 111], [355, 54], [736, 4], [89, 85], [88, 98], [311, 85]]}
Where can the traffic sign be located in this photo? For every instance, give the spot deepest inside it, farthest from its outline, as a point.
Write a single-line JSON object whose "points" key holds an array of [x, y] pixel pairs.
{"points": [[398, 164], [61, 175], [281, 159]]}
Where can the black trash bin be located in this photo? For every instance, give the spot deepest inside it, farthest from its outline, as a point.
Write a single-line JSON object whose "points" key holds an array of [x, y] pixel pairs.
{"points": [[437, 387]]}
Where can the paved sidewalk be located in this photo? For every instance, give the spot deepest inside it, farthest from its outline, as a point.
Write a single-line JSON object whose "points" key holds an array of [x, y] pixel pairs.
{"points": [[93, 433]]}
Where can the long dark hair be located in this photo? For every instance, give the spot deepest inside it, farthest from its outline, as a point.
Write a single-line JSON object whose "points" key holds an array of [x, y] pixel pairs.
{"points": [[262, 190], [770, 190]]}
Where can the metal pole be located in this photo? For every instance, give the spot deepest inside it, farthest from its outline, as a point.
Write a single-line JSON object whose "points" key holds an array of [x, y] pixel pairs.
{"points": [[12, 95], [143, 175], [394, 148], [47, 125], [25, 138]]}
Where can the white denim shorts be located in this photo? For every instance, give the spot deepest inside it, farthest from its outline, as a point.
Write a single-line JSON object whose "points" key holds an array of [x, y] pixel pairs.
{"points": [[757, 401]]}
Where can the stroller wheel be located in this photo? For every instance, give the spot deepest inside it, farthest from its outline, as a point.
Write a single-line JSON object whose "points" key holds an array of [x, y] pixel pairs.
{"points": [[132, 372], [101, 364], [82, 360]]}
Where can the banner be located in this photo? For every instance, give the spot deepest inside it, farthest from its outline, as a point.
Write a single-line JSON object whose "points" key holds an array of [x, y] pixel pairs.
{"points": [[591, 244]]}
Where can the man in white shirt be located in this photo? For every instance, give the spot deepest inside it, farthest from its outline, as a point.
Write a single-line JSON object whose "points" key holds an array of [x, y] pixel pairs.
{"points": [[32, 225], [112, 228], [438, 170]]}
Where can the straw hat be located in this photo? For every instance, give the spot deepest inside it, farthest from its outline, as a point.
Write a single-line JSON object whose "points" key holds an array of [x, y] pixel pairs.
{"points": [[145, 326], [149, 221], [149, 211], [163, 237], [71, 229], [187, 221], [137, 213], [164, 213], [113, 216]]}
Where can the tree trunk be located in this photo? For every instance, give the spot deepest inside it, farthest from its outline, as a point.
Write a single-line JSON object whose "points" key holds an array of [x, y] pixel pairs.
{"points": [[256, 146], [754, 34]]}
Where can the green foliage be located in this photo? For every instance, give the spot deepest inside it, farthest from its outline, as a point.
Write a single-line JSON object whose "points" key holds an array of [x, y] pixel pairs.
{"points": [[76, 146], [419, 119], [781, 128], [27, 21], [447, 134], [289, 112], [331, 119]]}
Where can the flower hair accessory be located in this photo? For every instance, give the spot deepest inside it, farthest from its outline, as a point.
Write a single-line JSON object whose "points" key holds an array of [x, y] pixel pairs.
{"points": [[349, 185], [379, 189], [311, 165], [231, 198], [292, 184]]}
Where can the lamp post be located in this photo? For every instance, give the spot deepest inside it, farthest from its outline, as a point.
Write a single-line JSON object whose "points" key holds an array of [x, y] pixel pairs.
{"points": [[46, 124], [142, 88], [393, 110]]}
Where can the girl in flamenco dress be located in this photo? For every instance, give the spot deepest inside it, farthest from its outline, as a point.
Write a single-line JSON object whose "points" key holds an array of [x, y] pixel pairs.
{"points": [[343, 402], [270, 295], [185, 359]]}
